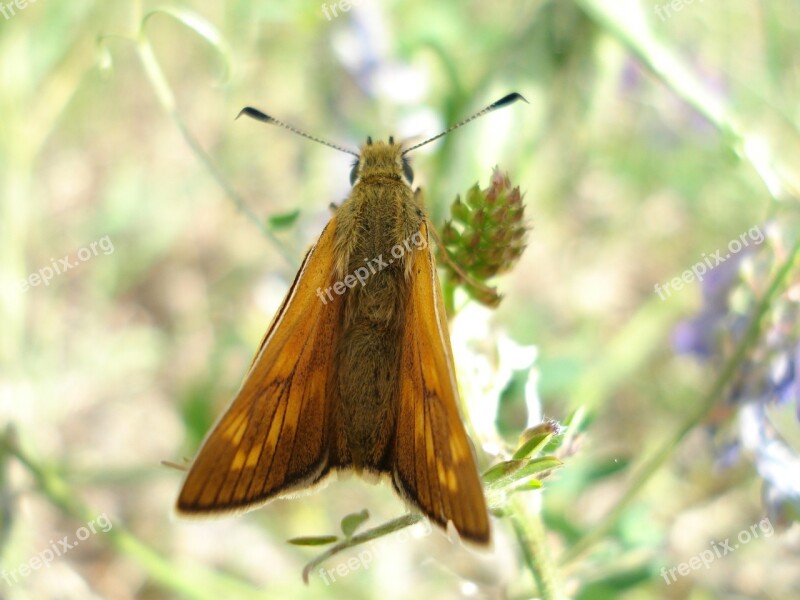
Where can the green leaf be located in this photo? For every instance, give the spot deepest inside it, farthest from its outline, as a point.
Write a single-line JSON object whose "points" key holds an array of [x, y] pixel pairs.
{"points": [[537, 465], [284, 221], [313, 540], [502, 470], [530, 485], [517, 471], [533, 445], [352, 522], [569, 429]]}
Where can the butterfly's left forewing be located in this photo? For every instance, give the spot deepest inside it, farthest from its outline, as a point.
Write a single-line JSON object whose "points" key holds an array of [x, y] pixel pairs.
{"points": [[273, 437], [434, 465]]}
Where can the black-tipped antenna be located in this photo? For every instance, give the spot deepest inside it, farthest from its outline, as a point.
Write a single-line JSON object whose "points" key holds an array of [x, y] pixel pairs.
{"points": [[260, 116], [504, 101]]}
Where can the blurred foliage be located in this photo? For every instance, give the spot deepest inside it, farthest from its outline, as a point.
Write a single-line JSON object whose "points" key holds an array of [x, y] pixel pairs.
{"points": [[655, 135]]}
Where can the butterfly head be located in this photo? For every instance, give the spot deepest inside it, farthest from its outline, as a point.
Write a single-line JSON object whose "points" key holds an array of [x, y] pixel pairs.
{"points": [[381, 160]]}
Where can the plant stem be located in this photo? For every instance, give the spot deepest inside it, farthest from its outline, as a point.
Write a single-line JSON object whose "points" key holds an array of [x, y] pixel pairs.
{"points": [[167, 101], [531, 536], [193, 584], [363, 538], [711, 399]]}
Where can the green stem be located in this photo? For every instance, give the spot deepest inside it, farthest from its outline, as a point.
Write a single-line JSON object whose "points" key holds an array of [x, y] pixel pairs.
{"points": [[193, 584], [625, 20], [711, 399], [362, 538], [531, 535], [167, 100]]}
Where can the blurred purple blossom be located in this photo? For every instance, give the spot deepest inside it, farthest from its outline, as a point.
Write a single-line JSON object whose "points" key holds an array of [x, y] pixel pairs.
{"points": [[769, 376], [777, 464], [784, 378], [698, 335]]}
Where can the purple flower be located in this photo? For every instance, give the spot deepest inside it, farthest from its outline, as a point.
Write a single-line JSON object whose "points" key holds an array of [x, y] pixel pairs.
{"points": [[784, 384], [698, 335], [769, 375], [777, 464]]}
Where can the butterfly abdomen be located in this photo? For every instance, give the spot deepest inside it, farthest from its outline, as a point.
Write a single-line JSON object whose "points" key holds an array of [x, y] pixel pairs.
{"points": [[367, 380]]}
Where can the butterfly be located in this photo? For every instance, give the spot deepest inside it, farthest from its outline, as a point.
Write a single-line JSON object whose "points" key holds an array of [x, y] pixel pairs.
{"points": [[355, 372]]}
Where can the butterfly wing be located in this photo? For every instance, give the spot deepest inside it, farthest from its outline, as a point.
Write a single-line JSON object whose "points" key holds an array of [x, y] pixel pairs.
{"points": [[273, 437], [434, 465]]}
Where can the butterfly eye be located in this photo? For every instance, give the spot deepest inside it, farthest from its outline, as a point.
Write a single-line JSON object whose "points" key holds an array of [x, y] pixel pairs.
{"points": [[354, 173], [407, 171]]}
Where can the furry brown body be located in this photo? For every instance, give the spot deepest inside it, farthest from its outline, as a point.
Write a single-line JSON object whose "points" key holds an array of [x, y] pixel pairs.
{"points": [[380, 214]]}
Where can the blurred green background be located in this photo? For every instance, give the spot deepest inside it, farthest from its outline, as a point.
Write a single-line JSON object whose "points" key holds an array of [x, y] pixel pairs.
{"points": [[654, 134]]}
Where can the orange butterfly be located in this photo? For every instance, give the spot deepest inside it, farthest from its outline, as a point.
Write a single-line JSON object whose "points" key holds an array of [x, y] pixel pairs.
{"points": [[356, 370]]}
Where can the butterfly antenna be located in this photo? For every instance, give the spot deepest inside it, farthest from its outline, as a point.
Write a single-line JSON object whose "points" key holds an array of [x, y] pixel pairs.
{"points": [[260, 116], [504, 101]]}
